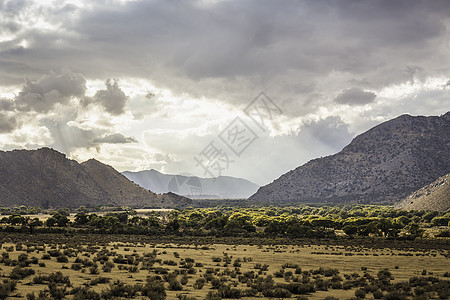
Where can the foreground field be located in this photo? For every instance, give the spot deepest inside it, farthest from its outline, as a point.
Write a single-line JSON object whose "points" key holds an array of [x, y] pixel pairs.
{"points": [[113, 268]]}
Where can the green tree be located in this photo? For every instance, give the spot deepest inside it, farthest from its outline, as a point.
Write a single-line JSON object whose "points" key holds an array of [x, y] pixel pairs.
{"points": [[57, 219], [15, 219], [81, 218], [31, 223], [239, 223], [413, 229], [350, 229], [440, 221]]}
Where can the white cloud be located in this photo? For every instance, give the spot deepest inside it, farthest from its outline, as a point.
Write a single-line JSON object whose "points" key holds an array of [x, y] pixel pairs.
{"points": [[28, 136]]}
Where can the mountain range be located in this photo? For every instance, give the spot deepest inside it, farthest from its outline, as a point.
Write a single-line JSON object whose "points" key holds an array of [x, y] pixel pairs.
{"points": [[382, 165], [222, 187], [46, 178]]}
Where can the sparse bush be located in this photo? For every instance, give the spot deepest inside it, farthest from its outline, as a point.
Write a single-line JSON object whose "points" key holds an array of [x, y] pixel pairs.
{"points": [[119, 289], [378, 294], [184, 280], [199, 283], [62, 259], [6, 288], [99, 280], [213, 296], [94, 270], [19, 273], [175, 285], [170, 263], [154, 289], [57, 292], [107, 267], [85, 294], [360, 293], [277, 293]]}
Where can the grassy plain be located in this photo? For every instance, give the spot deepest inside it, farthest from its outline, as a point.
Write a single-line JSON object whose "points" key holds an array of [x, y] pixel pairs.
{"points": [[226, 262]]}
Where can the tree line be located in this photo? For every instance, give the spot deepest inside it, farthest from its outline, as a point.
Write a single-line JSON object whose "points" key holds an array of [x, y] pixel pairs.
{"points": [[293, 221]]}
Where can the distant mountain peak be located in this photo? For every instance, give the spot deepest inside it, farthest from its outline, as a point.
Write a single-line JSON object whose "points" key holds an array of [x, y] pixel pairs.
{"points": [[44, 151], [45, 177], [225, 187], [383, 164]]}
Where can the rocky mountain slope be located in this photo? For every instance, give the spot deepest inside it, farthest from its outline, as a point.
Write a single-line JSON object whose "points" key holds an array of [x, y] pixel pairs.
{"points": [[382, 165], [47, 178], [222, 187], [435, 196]]}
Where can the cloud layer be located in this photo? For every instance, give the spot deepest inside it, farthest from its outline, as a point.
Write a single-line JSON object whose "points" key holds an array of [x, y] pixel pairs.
{"points": [[355, 96]]}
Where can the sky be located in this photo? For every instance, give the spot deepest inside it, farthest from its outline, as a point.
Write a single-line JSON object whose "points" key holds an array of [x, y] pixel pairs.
{"points": [[245, 88]]}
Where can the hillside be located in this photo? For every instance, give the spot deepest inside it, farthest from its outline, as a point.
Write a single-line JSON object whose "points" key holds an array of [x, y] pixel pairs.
{"points": [[47, 178], [222, 187], [382, 165], [435, 196]]}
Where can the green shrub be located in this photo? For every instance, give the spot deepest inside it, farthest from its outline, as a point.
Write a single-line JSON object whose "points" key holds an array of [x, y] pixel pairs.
{"points": [[19, 273], [119, 289], [57, 292], [360, 293], [277, 293], [6, 288], [175, 285], [154, 289], [84, 293], [378, 294], [184, 279], [62, 259], [199, 283]]}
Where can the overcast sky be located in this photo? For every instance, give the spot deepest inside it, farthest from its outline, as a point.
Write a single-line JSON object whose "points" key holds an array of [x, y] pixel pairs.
{"points": [[165, 84]]}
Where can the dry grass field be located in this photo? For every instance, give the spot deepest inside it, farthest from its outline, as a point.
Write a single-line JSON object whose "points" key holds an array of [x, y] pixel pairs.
{"points": [[99, 265]]}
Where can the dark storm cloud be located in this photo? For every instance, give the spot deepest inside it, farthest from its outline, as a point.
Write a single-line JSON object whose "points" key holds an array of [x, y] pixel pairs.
{"points": [[7, 123], [113, 99], [447, 84], [9, 11], [116, 138], [355, 96], [6, 105], [39, 97], [44, 94], [331, 131], [231, 50], [67, 138], [58, 88]]}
